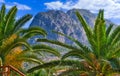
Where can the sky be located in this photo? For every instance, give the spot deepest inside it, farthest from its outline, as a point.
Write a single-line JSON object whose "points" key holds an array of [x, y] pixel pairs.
{"points": [[111, 7]]}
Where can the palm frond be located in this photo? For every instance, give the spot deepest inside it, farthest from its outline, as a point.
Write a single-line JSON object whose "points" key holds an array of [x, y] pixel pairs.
{"points": [[45, 48], [74, 71], [19, 23], [114, 36], [29, 56], [2, 18], [18, 42], [56, 63], [87, 29], [76, 53], [80, 55], [116, 49], [83, 47], [115, 64], [27, 33], [57, 43], [100, 33], [108, 31], [10, 19]]}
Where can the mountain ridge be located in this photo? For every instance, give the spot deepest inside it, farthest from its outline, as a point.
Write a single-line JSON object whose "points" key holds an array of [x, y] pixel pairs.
{"points": [[64, 22]]}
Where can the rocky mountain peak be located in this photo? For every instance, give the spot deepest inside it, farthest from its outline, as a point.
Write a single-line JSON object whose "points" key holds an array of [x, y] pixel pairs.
{"points": [[66, 23]]}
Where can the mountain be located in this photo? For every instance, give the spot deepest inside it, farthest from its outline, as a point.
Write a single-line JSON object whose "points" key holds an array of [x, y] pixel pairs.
{"points": [[64, 22]]}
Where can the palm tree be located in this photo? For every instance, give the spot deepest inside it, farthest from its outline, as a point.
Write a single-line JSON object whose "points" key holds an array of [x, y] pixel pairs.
{"points": [[101, 57], [14, 46]]}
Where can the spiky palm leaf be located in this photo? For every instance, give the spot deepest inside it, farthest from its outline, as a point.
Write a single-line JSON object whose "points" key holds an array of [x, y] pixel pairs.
{"points": [[57, 63], [19, 23], [14, 36], [32, 31], [45, 48], [104, 46], [9, 20]]}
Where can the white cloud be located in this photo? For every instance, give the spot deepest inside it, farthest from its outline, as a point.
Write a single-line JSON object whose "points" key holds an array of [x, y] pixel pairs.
{"points": [[19, 6], [111, 7], [54, 5], [2, 1], [22, 6], [116, 0]]}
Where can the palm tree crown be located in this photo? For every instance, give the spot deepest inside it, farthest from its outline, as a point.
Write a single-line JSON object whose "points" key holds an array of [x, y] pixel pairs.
{"points": [[100, 57], [14, 46]]}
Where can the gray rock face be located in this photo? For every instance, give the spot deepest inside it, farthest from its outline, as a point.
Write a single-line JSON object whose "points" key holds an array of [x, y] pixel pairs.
{"points": [[66, 23]]}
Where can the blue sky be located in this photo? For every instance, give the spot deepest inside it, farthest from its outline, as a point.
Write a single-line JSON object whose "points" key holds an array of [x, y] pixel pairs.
{"points": [[29, 6], [111, 7]]}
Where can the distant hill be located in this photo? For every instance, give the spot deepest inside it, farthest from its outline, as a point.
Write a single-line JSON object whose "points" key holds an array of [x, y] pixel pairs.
{"points": [[66, 23]]}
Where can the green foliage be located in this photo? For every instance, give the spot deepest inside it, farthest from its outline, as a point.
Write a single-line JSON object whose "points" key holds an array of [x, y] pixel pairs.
{"points": [[45, 48], [41, 72], [13, 35], [100, 58]]}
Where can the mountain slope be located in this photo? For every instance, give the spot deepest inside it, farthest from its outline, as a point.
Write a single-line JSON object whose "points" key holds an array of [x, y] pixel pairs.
{"points": [[66, 23]]}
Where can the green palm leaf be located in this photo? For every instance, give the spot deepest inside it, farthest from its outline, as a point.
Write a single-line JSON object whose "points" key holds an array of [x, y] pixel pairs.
{"points": [[83, 47], [74, 71], [29, 57], [19, 23], [33, 31], [56, 63], [45, 48], [115, 63], [87, 29], [57, 43], [10, 19], [20, 42], [75, 53], [109, 30], [114, 36], [2, 16]]}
